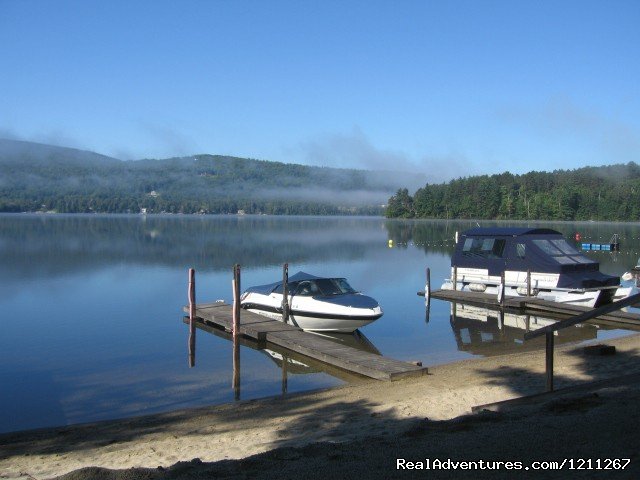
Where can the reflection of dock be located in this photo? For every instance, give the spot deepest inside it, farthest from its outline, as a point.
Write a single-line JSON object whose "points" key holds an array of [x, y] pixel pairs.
{"points": [[273, 332], [482, 331], [304, 364], [535, 306]]}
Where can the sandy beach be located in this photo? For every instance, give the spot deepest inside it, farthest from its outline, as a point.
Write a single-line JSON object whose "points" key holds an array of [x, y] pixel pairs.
{"points": [[367, 429]]}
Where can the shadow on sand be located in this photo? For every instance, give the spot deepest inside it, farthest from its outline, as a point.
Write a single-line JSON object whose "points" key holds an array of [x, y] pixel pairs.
{"points": [[357, 439]]}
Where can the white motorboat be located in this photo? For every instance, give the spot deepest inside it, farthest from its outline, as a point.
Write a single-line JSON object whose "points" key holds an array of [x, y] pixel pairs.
{"points": [[315, 303], [558, 272]]}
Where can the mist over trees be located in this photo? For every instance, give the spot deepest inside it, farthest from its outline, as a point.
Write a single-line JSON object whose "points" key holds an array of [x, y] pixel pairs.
{"points": [[35, 177], [609, 193]]}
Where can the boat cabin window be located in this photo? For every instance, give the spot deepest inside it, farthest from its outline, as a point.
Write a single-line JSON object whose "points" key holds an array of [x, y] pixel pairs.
{"points": [[483, 247], [521, 249], [561, 251]]}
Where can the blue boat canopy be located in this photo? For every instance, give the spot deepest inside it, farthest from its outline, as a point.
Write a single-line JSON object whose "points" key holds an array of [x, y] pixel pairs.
{"points": [[510, 231], [298, 277], [334, 290]]}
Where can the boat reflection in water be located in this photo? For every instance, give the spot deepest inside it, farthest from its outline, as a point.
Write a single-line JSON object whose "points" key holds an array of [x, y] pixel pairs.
{"points": [[299, 364], [291, 363], [481, 331]]}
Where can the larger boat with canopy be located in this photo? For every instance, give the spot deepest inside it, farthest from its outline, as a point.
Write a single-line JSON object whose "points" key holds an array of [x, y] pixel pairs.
{"points": [[535, 261]]}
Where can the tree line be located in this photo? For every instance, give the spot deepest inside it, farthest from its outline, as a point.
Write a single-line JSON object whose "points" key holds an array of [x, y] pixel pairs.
{"points": [[592, 193], [36, 178]]}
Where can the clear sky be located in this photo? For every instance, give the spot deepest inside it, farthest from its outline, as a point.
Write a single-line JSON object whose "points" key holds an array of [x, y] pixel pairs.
{"points": [[450, 88]]}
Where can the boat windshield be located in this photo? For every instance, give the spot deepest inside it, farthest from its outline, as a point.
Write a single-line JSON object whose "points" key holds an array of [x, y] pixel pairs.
{"points": [[323, 286], [561, 251]]}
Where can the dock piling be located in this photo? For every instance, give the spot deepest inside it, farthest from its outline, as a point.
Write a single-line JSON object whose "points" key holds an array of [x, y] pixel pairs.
{"points": [[549, 360], [236, 331], [235, 381], [191, 294], [285, 292], [236, 300], [285, 381], [455, 278], [427, 288], [501, 290]]}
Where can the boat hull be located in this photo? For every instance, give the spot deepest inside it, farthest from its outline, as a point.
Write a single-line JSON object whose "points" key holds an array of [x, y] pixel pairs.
{"points": [[313, 316], [588, 298]]}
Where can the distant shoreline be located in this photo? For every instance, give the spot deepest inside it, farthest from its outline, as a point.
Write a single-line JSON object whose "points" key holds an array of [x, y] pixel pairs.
{"points": [[257, 215]]}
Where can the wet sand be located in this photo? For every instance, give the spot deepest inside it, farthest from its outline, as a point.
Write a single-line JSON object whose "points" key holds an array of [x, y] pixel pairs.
{"points": [[362, 430]]}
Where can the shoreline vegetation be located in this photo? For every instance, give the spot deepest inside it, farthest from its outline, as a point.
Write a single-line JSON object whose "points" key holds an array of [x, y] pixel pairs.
{"points": [[45, 178], [367, 429], [609, 193]]}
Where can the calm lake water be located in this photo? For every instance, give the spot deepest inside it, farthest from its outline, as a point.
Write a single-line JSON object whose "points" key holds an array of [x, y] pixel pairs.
{"points": [[91, 306]]}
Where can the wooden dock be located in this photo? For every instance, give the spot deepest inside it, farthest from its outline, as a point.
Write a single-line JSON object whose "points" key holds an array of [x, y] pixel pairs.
{"points": [[267, 331], [536, 306]]}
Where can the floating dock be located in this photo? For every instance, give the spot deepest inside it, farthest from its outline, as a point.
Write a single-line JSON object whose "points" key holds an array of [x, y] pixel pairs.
{"points": [[536, 306], [267, 331]]}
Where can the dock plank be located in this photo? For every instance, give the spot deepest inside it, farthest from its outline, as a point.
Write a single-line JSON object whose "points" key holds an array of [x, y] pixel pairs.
{"points": [[292, 338]]}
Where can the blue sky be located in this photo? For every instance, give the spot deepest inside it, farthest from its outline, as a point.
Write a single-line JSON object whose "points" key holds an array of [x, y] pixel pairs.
{"points": [[448, 88]]}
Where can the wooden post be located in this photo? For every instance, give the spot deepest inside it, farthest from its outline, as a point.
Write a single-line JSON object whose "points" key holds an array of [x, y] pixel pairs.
{"points": [[455, 278], [236, 331], [192, 315], [528, 283], [501, 290], [427, 288], [236, 300], [285, 293], [284, 375], [191, 294], [549, 361], [236, 368]]}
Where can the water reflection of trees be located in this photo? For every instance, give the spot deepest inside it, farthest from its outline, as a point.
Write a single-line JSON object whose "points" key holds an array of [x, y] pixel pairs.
{"points": [[44, 244], [55, 244]]}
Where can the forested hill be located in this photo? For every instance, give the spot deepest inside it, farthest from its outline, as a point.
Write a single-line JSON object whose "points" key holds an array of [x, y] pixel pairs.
{"points": [[593, 193], [35, 177]]}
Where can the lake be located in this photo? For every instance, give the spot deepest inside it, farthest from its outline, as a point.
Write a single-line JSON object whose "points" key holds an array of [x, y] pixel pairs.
{"points": [[91, 308]]}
